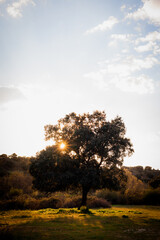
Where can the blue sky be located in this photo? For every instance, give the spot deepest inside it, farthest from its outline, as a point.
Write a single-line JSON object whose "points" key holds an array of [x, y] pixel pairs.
{"points": [[59, 56]]}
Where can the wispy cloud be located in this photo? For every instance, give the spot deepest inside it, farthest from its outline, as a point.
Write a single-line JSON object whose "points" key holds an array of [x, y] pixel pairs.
{"points": [[120, 37], [125, 74], [150, 10], [145, 48], [150, 43], [152, 36], [141, 84], [15, 9], [106, 25], [131, 64]]}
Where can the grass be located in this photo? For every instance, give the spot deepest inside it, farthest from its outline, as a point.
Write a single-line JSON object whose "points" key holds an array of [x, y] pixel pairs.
{"points": [[118, 222]]}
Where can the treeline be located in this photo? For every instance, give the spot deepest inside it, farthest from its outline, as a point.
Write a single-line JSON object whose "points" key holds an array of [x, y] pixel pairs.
{"points": [[16, 190], [15, 178], [145, 174]]}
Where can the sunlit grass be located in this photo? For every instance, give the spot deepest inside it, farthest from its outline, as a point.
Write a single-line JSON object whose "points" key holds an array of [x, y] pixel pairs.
{"points": [[118, 222]]}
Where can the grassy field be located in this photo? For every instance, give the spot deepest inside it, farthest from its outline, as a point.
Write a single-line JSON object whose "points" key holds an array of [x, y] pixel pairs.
{"points": [[118, 222]]}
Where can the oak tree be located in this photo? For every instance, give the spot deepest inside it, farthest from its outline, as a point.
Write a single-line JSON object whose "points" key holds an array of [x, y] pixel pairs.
{"points": [[88, 152]]}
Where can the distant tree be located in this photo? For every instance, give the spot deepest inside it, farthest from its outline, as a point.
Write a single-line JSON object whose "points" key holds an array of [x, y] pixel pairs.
{"points": [[155, 182], [6, 165], [14, 173], [88, 153], [135, 189]]}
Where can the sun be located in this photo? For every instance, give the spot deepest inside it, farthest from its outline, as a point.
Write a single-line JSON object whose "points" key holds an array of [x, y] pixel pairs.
{"points": [[62, 146]]}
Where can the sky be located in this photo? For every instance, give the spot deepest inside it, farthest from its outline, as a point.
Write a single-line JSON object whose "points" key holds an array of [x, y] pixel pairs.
{"points": [[63, 56]]}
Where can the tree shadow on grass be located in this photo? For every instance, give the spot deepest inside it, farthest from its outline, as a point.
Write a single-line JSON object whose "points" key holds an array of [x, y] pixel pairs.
{"points": [[84, 226]]}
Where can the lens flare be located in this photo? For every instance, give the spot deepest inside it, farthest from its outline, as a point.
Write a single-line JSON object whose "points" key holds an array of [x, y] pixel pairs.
{"points": [[62, 146]]}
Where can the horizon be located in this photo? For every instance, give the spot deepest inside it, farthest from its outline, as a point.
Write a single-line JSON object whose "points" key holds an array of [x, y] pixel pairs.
{"points": [[65, 56]]}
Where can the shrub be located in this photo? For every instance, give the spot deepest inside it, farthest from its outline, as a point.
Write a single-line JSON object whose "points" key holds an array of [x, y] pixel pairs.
{"points": [[98, 203], [14, 192], [14, 204], [20, 180], [114, 197], [24, 202], [152, 197], [49, 203], [72, 202], [92, 202], [135, 189]]}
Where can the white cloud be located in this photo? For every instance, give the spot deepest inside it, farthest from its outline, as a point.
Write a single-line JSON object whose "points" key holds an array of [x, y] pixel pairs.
{"points": [[130, 64], [123, 37], [152, 36], [150, 10], [141, 84], [121, 74], [15, 9], [151, 41], [119, 37], [138, 28], [145, 48], [106, 25], [1, 1], [125, 50], [123, 7], [156, 49]]}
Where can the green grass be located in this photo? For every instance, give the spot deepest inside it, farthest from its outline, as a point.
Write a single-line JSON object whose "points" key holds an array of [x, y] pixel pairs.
{"points": [[118, 222]]}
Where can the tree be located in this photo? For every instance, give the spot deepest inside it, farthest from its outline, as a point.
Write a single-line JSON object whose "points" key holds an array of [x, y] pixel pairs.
{"points": [[155, 182], [88, 153], [135, 188]]}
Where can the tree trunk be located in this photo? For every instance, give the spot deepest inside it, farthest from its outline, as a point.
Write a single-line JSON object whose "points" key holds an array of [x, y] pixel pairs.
{"points": [[84, 196]]}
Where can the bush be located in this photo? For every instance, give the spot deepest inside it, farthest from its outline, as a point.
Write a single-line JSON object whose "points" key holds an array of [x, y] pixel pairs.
{"points": [[72, 202], [49, 203], [24, 202], [114, 197], [152, 197], [135, 189], [14, 192], [92, 202], [13, 204], [98, 203]]}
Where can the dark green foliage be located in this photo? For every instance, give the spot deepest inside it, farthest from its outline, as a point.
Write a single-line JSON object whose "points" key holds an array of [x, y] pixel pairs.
{"points": [[12, 163], [6, 165], [94, 153], [152, 197], [155, 182], [53, 171]]}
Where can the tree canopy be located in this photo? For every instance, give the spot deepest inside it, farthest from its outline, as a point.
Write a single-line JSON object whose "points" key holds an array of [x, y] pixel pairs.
{"points": [[88, 152]]}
